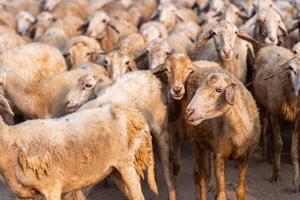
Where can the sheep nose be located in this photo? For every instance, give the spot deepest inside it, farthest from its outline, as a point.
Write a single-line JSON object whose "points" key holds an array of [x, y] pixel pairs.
{"points": [[67, 102], [227, 51], [189, 112], [272, 38], [177, 89]]}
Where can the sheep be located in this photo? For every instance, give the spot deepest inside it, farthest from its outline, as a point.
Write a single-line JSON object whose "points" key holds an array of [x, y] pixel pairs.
{"points": [[229, 46], [81, 49], [181, 40], [45, 99], [7, 18], [276, 86], [24, 21], [59, 32], [122, 58], [227, 112], [170, 15], [266, 25], [106, 29], [137, 89], [34, 61], [10, 40], [152, 30], [44, 157], [141, 11], [43, 21]]}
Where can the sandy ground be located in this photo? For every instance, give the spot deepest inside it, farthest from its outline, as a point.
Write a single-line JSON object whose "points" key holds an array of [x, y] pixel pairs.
{"points": [[259, 185]]}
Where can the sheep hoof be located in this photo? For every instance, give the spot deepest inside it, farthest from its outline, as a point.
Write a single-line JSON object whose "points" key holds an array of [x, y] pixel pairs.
{"points": [[275, 177]]}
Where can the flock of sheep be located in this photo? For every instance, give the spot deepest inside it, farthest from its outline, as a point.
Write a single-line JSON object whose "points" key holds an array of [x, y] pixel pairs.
{"points": [[86, 84]]}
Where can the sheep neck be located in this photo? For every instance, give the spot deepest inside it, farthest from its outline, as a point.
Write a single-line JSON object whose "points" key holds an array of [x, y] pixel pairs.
{"points": [[236, 122], [228, 65], [19, 91]]}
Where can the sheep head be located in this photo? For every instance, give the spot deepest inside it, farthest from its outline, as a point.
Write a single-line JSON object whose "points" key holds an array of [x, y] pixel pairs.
{"points": [[178, 67], [49, 5], [158, 51], [224, 34], [269, 26], [96, 25], [44, 20], [167, 15], [24, 21], [118, 63], [80, 50], [86, 88], [212, 99]]}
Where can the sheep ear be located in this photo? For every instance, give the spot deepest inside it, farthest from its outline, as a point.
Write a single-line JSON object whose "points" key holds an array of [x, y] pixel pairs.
{"points": [[5, 105], [141, 55], [83, 27], [248, 38], [283, 28], [155, 15], [230, 92], [113, 27], [132, 66], [32, 33], [295, 25], [242, 15], [157, 71], [204, 38]]}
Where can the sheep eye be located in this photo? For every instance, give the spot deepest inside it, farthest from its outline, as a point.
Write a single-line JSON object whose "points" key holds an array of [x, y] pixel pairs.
{"points": [[127, 63], [104, 20], [218, 90], [88, 85]]}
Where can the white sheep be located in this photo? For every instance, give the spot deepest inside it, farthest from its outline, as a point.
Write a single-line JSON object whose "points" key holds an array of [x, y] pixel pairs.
{"points": [[137, 89], [152, 30], [34, 61], [56, 156], [45, 99]]}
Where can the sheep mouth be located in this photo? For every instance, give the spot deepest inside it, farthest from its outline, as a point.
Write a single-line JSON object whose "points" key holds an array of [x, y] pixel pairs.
{"points": [[194, 121], [72, 108]]}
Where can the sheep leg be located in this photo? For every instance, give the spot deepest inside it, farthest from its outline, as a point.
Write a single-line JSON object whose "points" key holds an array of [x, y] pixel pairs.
{"points": [[116, 177], [295, 156], [220, 177], [54, 194], [265, 126], [200, 174], [277, 149], [163, 147], [132, 181], [176, 146], [243, 169]]}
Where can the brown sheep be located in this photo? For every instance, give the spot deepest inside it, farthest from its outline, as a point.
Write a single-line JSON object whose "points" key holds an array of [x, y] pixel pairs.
{"points": [[277, 85]]}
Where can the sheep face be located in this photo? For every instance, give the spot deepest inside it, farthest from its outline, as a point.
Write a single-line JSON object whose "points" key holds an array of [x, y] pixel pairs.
{"points": [[158, 51], [118, 63], [79, 53], [179, 67], [293, 69], [97, 25], [269, 24], [81, 92], [167, 15], [296, 48], [49, 5], [212, 99], [24, 22], [44, 20]]}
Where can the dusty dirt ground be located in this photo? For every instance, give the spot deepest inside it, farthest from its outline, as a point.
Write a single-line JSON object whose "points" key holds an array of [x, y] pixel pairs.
{"points": [[259, 185]]}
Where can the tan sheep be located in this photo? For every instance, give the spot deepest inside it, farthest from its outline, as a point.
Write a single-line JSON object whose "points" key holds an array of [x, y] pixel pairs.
{"points": [[81, 49], [45, 99], [46, 157], [277, 86], [106, 29], [227, 123], [227, 46], [34, 61]]}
